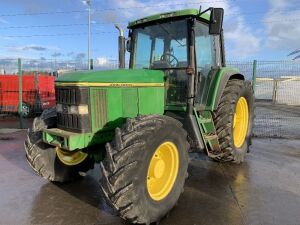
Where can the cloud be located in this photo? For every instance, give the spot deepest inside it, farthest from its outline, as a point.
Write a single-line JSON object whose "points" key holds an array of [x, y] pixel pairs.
{"points": [[239, 44], [80, 56], [70, 53], [101, 61], [282, 29], [38, 6], [30, 6], [31, 47], [56, 54], [3, 21], [105, 63], [34, 48]]}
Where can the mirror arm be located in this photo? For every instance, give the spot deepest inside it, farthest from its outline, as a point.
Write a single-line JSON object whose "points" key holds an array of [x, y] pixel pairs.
{"points": [[209, 9]]}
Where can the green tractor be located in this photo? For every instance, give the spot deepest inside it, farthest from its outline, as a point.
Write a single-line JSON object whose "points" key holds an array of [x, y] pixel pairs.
{"points": [[139, 123]]}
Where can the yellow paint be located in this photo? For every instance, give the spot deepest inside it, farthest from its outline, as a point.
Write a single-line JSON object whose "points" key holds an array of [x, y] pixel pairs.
{"points": [[70, 158], [240, 122], [89, 84], [162, 171]]}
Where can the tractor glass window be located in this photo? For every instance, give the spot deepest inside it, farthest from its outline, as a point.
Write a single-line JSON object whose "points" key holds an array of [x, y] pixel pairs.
{"points": [[205, 49], [158, 49], [207, 58], [161, 46], [143, 56]]}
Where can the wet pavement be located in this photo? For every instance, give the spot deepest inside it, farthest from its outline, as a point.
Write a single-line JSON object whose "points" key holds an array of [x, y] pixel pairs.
{"points": [[263, 190], [12, 122], [275, 120]]}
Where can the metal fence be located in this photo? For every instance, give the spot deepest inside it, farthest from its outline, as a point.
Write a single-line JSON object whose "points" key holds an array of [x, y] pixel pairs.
{"points": [[277, 91], [31, 82]]}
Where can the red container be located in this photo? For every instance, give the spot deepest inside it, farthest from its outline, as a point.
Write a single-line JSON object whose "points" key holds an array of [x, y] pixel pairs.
{"points": [[37, 91]]}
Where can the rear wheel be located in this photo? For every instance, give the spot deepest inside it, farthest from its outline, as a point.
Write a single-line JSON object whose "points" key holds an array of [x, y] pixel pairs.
{"points": [[49, 162], [234, 120], [145, 168]]}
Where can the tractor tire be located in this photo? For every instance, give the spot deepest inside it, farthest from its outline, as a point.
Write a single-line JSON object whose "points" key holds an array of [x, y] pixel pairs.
{"points": [[128, 181], [234, 120], [43, 157]]}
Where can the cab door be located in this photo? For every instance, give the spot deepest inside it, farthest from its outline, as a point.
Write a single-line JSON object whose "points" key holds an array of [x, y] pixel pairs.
{"points": [[208, 61]]}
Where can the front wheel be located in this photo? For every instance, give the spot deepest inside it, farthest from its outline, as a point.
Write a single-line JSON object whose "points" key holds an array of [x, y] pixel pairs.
{"points": [[234, 120], [49, 162], [145, 168]]}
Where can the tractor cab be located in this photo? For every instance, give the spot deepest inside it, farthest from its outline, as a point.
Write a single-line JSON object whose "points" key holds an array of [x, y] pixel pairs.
{"points": [[186, 44]]}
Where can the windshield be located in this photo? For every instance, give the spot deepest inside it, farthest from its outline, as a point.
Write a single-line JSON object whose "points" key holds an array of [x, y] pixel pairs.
{"points": [[161, 46]]}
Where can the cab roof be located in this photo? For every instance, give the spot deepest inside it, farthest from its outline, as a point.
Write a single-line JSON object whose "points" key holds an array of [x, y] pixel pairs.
{"points": [[167, 15]]}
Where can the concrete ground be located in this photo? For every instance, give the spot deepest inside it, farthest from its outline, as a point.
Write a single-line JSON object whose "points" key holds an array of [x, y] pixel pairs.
{"points": [[263, 190], [12, 122], [277, 120]]}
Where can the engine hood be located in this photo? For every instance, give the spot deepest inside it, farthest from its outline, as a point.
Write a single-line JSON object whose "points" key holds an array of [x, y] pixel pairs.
{"points": [[122, 76]]}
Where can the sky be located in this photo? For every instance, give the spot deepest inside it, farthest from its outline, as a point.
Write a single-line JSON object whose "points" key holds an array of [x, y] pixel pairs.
{"points": [[57, 29]]}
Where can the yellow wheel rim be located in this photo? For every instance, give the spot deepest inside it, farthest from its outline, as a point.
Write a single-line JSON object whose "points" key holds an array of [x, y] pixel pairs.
{"points": [[70, 158], [240, 122], [162, 171]]}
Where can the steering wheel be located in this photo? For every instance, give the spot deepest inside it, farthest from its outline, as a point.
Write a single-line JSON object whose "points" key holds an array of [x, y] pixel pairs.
{"points": [[173, 61]]}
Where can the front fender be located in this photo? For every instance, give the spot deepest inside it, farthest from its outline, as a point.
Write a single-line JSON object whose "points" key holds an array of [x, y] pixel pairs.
{"points": [[218, 85]]}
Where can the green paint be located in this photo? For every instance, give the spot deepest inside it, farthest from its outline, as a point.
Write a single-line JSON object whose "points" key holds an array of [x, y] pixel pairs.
{"points": [[208, 130], [211, 101], [115, 107], [175, 108], [130, 102], [73, 141], [173, 15], [151, 101], [109, 109], [114, 76]]}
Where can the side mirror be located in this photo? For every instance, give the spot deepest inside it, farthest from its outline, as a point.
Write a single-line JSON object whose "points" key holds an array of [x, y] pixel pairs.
{"points": [[216, 21], [128, 45]]}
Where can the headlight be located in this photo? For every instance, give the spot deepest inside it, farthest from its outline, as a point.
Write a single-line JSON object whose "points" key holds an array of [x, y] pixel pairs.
{"points": [[81, 109], [59, 108]]}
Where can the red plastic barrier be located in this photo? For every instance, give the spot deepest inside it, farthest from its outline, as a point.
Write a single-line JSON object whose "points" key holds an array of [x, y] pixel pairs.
{"points": [[37, 91]]}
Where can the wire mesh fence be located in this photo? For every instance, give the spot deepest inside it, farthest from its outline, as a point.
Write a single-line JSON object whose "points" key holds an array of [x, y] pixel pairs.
{"points": [[37, 86], [60, 66], [277, 91], [277, 97]]}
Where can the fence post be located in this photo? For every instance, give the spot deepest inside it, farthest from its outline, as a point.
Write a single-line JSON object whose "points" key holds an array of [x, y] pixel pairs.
{"points": [[254, 75], [91, 64], [275, 88], [20, 93]]}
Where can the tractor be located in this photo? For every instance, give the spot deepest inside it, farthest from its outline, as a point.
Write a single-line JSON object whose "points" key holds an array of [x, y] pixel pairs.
{"points": [[138, 124]]}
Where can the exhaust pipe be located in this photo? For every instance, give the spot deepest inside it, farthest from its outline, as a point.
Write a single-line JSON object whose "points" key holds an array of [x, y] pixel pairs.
{"points": [[121, 47]]}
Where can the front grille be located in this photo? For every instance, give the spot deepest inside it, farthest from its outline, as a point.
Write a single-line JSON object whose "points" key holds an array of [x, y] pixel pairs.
{"points": [[72, 95], [99, 108], [72, 122], [68, 96]]}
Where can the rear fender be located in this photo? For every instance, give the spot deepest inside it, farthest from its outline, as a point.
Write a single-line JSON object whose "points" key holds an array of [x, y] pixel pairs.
{"points": [[219, 84]]}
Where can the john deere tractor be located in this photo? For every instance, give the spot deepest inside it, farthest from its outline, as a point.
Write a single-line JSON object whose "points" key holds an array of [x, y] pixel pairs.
{"points": [[139, 123]]}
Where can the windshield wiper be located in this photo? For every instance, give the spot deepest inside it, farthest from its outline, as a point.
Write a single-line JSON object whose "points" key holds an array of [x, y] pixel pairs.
{"points": [[171, 35]]}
